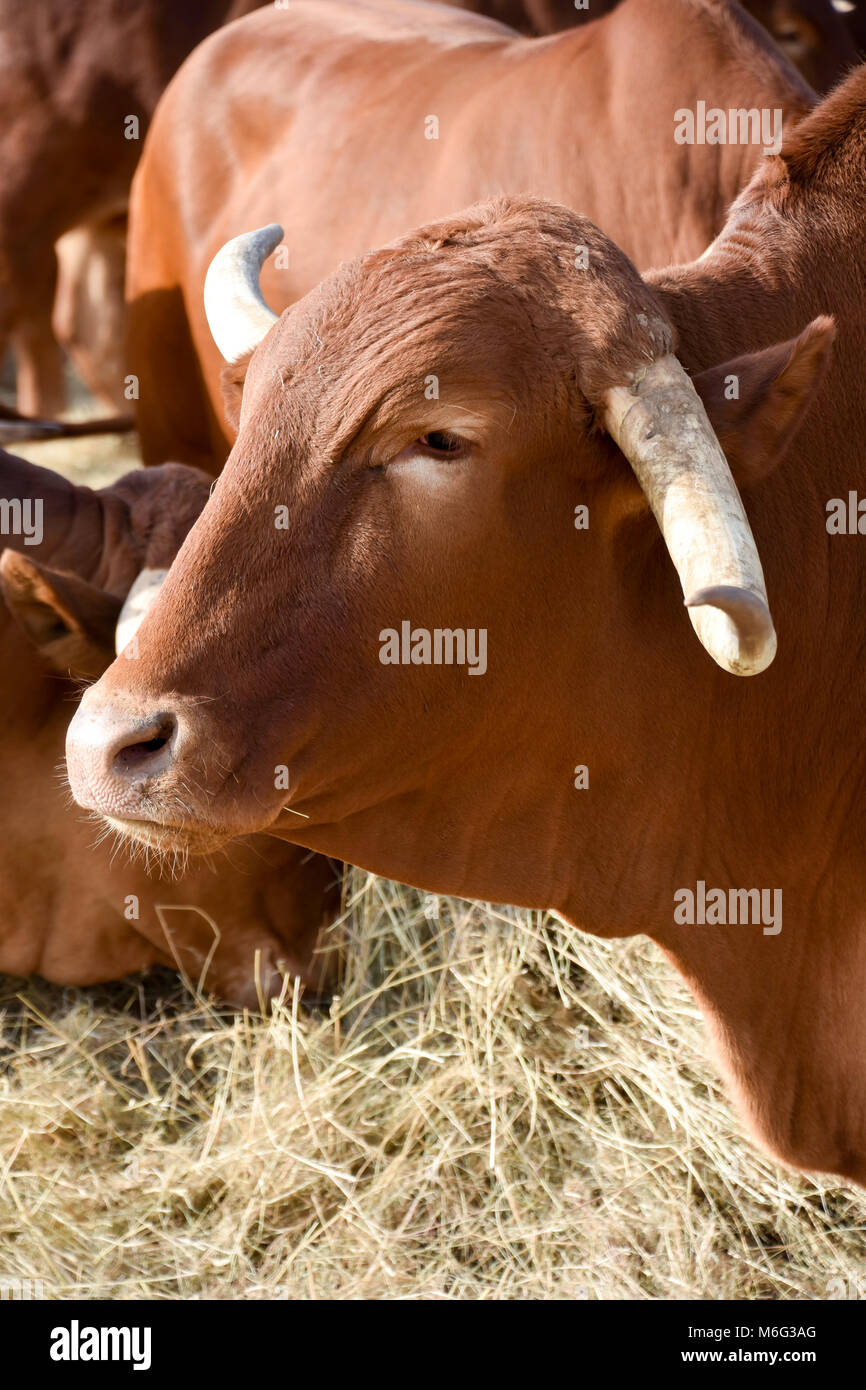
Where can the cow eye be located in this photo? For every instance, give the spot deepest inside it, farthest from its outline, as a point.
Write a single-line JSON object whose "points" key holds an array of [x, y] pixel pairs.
{"points": [[793, 40], [435, 445], [441, 442]]}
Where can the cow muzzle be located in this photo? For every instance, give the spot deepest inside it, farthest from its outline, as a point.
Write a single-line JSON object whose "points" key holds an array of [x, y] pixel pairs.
{"points": [[122, 767], [137, 765]]}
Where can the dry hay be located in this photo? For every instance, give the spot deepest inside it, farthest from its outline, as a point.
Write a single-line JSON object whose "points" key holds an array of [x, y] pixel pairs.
{"points": [[496, 1107]]}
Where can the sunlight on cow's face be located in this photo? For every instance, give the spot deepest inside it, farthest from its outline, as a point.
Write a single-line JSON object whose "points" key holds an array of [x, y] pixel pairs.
{"points": [[383, 579], [421, 527], [426, 577]]}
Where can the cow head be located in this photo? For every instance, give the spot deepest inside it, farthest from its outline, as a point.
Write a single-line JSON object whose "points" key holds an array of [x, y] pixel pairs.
{"points": [[812, 34], [394, 629], [76, 912]]}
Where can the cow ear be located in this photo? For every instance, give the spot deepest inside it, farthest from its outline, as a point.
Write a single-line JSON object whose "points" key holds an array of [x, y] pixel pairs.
{"points": [[70, 622], [233, 377], [756, 403]]}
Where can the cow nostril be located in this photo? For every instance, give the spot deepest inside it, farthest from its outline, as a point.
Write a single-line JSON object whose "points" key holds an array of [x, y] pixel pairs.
{"points": [[136, 752], [150, 754]]}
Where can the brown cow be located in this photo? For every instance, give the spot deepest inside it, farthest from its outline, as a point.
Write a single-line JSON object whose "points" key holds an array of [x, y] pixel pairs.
{"points": [[81, 79], [601, 765], [75, 72], [70, 911], [809, 32], [372, 80]]}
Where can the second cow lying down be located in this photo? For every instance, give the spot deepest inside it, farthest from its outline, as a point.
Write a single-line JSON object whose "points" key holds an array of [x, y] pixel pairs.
{"points": [[69, 909]]}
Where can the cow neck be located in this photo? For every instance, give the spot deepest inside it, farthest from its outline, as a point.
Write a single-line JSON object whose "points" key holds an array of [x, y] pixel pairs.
{"points": [[733, 302], [792, 246]]}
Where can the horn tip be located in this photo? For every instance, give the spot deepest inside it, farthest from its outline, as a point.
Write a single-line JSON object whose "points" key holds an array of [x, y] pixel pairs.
{"points": [[754, 638], [731, 598]]}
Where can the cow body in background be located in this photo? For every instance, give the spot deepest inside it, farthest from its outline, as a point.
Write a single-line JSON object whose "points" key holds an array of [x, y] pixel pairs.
{"points": [[81, 79], [538, 16], [413, 117], [855, 18], [73, 911], [77, 72], [809, 32]]}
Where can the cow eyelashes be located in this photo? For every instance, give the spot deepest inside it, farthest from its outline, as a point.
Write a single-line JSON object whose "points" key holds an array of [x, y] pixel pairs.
{"points": [[434, 446], [441, 442]]}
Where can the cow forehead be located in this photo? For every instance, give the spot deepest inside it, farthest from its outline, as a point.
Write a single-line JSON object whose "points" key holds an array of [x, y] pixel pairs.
{"points": [[490, 300]]}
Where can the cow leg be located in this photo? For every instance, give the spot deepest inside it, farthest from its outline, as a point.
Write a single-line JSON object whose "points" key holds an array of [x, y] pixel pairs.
{"points": [[787, 1021], [40, 386], [39, 360], [89, 309]]}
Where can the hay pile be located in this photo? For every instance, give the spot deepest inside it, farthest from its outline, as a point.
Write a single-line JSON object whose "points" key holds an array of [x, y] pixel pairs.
{"points": [[496, 1107]]}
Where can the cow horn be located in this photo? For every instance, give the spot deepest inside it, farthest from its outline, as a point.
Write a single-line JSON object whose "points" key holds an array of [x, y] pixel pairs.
{"points": [[237, 314], [660, 424], [139, 599]]}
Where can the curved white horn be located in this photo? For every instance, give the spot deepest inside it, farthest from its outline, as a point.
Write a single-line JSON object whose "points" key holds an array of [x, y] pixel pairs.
{"points": [[139, 599], [661, 426], [237, 314]]}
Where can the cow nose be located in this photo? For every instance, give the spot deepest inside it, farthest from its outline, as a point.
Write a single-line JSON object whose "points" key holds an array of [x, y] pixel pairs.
{"points": [[143, 751], [113, 757]]}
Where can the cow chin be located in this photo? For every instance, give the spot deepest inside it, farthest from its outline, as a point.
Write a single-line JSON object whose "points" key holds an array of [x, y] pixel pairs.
{"points": [[169, 839]]}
